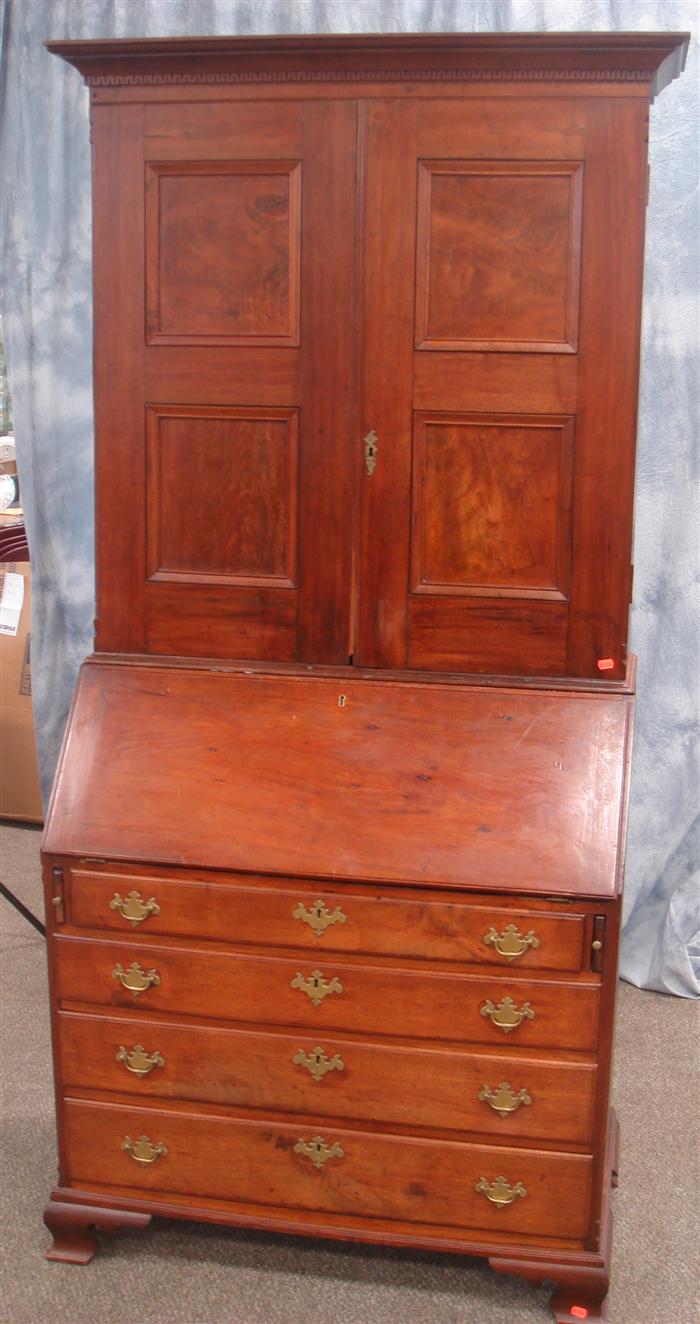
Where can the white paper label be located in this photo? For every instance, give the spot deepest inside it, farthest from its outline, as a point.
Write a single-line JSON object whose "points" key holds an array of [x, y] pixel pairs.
{"points": [[11, 603]]}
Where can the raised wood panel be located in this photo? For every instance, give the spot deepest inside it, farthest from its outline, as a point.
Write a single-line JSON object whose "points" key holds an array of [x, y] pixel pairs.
{"points": [[531, 129], [495, 635], [217, 620], [222, 252], [498, 255], [222, 495], [491, 505], [191, 131], [249, 1159], [509, 383], [413, 1086], [191, 374]]}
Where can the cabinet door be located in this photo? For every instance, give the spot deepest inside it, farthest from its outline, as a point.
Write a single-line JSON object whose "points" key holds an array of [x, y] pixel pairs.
{"points": [[224, 286], [502, 270]]}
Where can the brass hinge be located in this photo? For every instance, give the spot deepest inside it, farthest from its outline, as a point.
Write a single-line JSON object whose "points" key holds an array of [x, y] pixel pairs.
{"points": [[371, 447], [57, 895]]}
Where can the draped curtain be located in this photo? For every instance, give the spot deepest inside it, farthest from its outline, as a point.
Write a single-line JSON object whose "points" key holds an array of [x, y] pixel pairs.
{"points": [[46, 303]]}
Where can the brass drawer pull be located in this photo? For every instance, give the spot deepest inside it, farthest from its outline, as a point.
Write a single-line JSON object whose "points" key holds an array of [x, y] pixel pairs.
{"points": [[135, 978], [316, 987], [503, 1099], [133, 908], [142, 1151], [500, 1192], [506, 1015], [319, 917], [511, 943], [317, 1064], [318, 1151], [138, 1060]]}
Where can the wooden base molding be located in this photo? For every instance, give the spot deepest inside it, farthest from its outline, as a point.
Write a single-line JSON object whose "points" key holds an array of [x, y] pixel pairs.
{"points": [[73, 1228]]}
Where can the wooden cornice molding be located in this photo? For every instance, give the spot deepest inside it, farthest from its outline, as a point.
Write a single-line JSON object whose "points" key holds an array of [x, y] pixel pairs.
{"points": [[637, 57]]}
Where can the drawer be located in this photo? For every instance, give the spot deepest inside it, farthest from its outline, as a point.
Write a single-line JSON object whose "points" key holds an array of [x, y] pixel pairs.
{"points": [[322, 1075], [320, 917], [333, 994], [336, 1170]]}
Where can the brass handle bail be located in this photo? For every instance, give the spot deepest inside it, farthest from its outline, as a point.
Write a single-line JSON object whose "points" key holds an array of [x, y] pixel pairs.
{"points": [[511, 943], [500, 1192], [136, 979], [506, 1015], [134, 908], [138, 1060], [142, 1150], [503, 1099]]}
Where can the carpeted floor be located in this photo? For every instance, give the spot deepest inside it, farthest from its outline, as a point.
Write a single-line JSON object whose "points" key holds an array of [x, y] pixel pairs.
{"points": [[191, 1274]]}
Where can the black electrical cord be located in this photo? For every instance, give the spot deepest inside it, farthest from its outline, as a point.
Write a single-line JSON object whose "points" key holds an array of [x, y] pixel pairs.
{"points": [[26, 914]]}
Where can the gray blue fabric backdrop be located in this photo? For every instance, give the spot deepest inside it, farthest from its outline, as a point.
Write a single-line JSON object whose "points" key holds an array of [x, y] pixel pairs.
{"points": [[47, 328]]}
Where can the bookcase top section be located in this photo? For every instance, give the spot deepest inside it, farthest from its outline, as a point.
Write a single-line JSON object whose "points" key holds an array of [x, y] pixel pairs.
{"points": [[655, 58], [313, 777]]}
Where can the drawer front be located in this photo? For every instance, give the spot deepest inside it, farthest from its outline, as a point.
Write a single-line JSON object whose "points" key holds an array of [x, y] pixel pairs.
{"points": [[334, 1170], [334, 1077], [332, 994], [323, 918]]}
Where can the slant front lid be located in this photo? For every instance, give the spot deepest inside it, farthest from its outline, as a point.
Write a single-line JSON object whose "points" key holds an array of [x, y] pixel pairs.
{"points": [[357, 779]]}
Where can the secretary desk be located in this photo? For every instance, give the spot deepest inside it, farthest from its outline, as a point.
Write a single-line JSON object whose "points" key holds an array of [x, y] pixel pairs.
{"points": [[333, 858]]}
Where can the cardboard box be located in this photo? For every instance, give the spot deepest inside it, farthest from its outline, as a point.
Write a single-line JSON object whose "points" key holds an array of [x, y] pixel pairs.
{"points": [[19, 777]]}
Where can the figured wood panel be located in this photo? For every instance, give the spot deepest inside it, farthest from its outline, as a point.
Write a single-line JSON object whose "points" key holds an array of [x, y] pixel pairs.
{"points": [[256, 1068], [402, 1000], [222, 252], [222, 495], [244, 1159], [491, 505], [498, 255], [488, 788]]}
